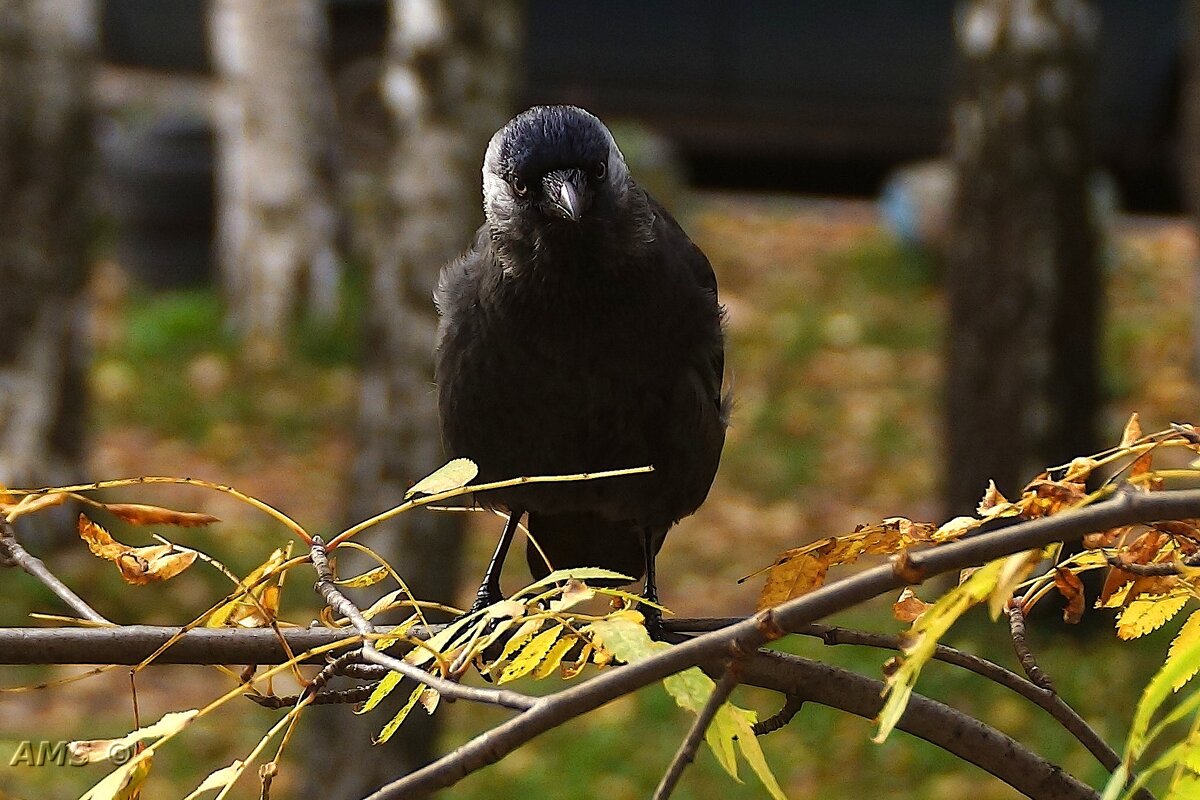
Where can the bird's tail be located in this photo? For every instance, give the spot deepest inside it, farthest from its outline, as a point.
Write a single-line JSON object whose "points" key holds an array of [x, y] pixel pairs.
{"points": [[584, 540]]}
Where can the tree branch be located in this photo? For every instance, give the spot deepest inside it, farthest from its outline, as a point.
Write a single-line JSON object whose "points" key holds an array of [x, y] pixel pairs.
{"points": [[13, 554], [748, 635], [687, 748]]}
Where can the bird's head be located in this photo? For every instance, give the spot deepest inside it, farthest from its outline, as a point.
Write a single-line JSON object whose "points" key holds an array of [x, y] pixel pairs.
{"points": [[555, 172]]}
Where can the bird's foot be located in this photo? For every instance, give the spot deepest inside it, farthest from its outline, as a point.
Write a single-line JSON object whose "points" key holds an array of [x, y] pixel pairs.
{"points": [[654, 622]]}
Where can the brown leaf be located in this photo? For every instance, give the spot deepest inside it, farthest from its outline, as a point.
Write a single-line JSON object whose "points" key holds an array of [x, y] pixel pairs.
{"points": [[138, 514], [908, 607], [137, 565], [1132, 432], [1071, 588], [1043, 497]]}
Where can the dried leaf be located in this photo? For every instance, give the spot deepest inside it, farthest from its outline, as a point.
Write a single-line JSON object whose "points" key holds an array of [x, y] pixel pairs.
{"points": [[241, 610], [137, 565], [95, 751], [452, 475], [1132, 432], [1044, 497], [792, 577], [573, 594], [32, 503], [1108, 538], [1071, 588], [1079, 469], [137, 514], [991, 499], [908, 607], [218, 779]]}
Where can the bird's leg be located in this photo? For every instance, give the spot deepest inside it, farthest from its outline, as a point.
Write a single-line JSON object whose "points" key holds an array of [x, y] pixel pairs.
{"points": [[489, 588], [649, 591]]}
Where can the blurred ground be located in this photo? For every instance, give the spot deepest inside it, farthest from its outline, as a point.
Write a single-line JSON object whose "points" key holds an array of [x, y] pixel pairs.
{"points": [[834, 334]]}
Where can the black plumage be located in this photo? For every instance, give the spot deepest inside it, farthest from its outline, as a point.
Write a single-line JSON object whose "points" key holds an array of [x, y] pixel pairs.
{"points": [[580, 333]]}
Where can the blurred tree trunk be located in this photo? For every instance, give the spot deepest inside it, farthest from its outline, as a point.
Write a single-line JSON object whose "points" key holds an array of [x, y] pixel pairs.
{"points": [[447, 85], [274, 122], [1189, 141], [46, 66], [1023, 275]]}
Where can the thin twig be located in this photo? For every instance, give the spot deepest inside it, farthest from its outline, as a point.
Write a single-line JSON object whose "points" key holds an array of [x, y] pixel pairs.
{"points": [[13, 554], [1152, 570], [451, 690], [1124, 509], [691, 743], [792, 704], [1045, 699], [1020, 640]]}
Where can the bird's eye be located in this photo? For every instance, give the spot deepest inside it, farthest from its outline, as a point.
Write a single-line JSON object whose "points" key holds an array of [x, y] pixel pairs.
{"points": [[519, 186], [600, 170]]}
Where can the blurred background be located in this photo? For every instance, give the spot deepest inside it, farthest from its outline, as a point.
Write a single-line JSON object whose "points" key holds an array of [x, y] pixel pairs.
{"points": [[956, 241]]}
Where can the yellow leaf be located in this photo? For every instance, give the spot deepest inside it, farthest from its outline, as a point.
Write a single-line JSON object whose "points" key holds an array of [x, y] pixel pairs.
{"points": [[382, 689], [365, 580], [1014, 570], [395, 722], [453, 475], [991, 499], [1149, 613], [242, 610], [792, 577], [531, 655], [218, 779], [125, 782], [554, 658], [1187, 639], [922, 640]]}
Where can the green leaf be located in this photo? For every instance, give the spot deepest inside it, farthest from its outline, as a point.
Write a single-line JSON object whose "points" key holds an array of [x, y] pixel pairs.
{"points": [[923, 638], [453, 475], [584, 574], [624, 636]]}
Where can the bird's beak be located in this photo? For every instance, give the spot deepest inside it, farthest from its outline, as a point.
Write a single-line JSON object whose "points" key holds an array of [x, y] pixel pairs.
{"points": [[568, 193]]}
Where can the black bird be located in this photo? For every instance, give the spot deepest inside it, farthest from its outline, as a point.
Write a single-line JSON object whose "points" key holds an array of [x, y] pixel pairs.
{"points": [[580, 333]]}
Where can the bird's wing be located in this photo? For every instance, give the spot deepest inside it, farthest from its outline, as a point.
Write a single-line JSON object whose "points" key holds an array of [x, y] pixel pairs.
{"points": [[696, 266]]}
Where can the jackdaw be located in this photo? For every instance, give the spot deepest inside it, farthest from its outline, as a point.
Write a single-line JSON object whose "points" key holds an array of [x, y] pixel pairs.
{"points": [[580, 333]]}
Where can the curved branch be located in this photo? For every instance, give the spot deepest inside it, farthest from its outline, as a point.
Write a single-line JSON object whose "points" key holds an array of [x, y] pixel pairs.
{"points": [[948, 728], [12, 554], [747, 636]]}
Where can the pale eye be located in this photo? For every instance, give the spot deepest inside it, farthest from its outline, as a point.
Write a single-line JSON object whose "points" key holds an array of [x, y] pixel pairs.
{"points": [[519, 186], [600, 170]]}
